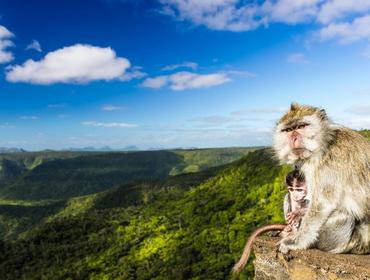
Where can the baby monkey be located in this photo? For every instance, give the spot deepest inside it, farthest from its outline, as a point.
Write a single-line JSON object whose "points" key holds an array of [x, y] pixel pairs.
{"points": [[295, 206], [295, 201]]}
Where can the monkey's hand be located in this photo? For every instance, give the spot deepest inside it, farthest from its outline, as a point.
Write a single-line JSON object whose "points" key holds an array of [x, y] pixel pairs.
{"points": [[288, 229], [293, 218], [286, 244]]}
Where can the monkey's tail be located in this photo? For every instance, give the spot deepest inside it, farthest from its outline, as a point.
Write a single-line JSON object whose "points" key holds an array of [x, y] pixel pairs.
{"points": [[248, 247]]}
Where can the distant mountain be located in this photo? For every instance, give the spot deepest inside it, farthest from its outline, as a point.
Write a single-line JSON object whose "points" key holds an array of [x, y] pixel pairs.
{"points": [[80, 173], [102, 149], [11, 150], [64, 178]]}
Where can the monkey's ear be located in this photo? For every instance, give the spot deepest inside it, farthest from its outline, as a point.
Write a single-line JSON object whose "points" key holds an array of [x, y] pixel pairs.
{"points": [[322, 114], [294, 106]]}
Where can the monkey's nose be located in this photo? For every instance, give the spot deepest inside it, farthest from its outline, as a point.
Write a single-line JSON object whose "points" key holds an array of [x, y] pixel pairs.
{"points": [[295, 142]]}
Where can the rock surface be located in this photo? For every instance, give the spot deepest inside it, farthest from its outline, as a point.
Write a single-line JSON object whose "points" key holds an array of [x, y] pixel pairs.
{"points": [[306, 264]]}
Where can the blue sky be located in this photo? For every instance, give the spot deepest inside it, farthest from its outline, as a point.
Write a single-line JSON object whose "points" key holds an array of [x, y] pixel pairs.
{"points": [[176, 73]]}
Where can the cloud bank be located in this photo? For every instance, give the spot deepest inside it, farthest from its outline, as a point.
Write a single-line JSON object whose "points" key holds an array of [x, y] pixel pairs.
{"points": [[5, 43], [344, 20], [297, 58], [34, 45], [186, 80], [185, 64], [238, 15], [74, 64], [109, 125], [110, 108]]}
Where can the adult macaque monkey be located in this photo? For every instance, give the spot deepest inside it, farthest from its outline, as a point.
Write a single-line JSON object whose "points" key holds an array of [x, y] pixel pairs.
{"points": [[336, 163]]}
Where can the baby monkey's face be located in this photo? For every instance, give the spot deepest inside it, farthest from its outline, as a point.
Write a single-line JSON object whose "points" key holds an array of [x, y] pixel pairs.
{"points": [[297, 191]]}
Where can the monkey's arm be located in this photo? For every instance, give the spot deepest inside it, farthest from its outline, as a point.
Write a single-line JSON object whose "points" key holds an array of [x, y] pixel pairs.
{"points": [[307, 234], [287, 207]]}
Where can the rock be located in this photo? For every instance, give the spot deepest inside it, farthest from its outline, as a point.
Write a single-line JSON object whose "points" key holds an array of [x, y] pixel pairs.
{"points": [[306, 264]]}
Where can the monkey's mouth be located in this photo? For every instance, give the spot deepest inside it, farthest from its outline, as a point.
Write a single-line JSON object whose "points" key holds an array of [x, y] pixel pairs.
{"points": [[300, 200], [302, 152], [298, 151]]}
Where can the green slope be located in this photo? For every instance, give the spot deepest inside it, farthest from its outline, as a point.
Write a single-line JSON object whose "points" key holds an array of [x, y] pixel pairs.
{"points": [[199, 159], [19, 216], [366, 133], [69, 176], [89, 174], [168, 230], [30, 160]]}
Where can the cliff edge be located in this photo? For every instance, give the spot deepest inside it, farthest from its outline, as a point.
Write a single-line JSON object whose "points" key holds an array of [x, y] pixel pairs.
{"points": [[306, 264]]}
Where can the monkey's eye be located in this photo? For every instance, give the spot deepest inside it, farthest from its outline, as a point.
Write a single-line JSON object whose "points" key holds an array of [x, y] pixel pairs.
{"points": [[302, 125], [289, 129]]}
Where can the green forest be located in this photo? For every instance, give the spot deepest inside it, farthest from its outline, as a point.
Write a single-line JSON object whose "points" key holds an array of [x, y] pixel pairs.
{"points": [[180, 214]]}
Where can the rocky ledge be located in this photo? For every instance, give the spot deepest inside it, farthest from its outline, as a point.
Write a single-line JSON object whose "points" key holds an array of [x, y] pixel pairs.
{"points": [[306, 264]]}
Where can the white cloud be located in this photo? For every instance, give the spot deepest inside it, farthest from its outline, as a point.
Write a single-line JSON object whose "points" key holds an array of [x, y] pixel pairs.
{"points": [[156, 82], [186, 80], [297, 58], [133, 73], [347, 32], [34, 45], [214, 14], [5, 43], [57, 105], [109, 125], [75, 64], [245, 74], [29, 118], [240, 15], [213, 120], [110, 107], [291, 11], [337, 9], [7, 125], [186, 64], [5, 33]]}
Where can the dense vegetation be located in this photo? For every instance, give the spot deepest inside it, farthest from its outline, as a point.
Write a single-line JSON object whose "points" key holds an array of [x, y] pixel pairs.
{"points": [[366, 133], [47, 176], [191, 226], [61, 175]]}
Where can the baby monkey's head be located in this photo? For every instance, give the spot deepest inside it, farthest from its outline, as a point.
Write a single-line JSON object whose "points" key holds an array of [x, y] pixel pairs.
{"points": [[296, 185]]}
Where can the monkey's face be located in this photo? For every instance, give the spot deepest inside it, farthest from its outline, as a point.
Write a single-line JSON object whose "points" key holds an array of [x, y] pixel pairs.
{"points": [[298, 191], [298, 135]]}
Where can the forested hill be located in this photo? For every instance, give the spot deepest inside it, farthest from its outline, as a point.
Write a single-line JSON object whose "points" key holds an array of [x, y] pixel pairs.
{"points": [[47, 180], [53, 175], [172, 229]]}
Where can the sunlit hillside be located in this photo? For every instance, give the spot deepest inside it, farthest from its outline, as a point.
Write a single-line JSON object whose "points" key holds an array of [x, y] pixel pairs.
{"points": [[164, 230]]}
